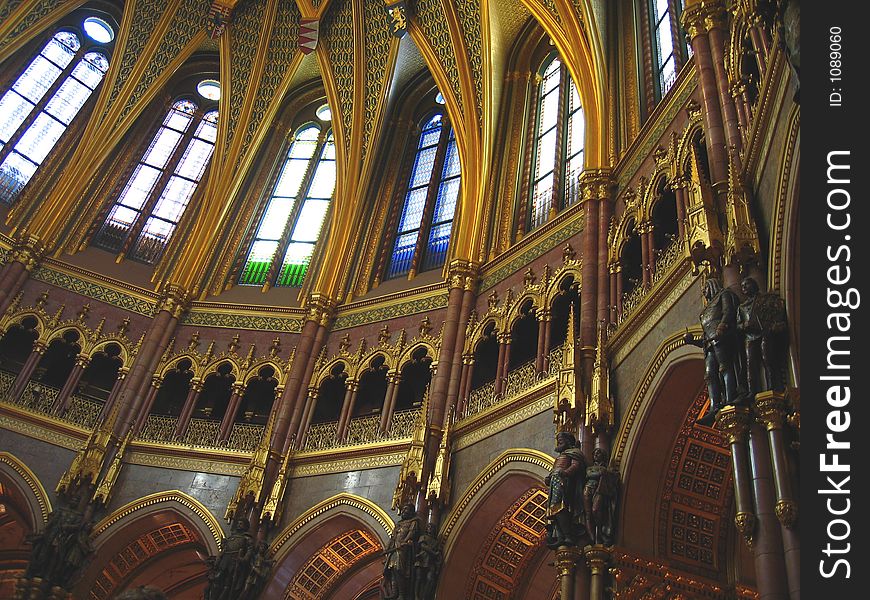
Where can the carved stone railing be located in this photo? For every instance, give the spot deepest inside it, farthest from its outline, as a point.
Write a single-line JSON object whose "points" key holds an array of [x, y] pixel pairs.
{"points": [[665, 260], [201, 433], [519, 381], [39, 398], [360, 431]]}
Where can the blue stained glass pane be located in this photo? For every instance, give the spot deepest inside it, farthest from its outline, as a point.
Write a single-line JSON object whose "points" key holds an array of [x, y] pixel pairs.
{"points": [[431, 133], [403, 254], [15, 172], [174, 199], [445, 205], [13, 110], [162, 147], [661, 7], [195, 159], [68, 100], [436, 251], [139, 187], [451, 166], [40, 138], [423, 164], [413, 210], [68, 39], [35, 81], [61, 49]]}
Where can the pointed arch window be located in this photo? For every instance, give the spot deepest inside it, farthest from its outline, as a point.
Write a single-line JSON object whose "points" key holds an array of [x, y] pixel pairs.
{"points": [[290, 226], [669, 43], [37, 108], [558, 144], [423, 233], [143, 218]]}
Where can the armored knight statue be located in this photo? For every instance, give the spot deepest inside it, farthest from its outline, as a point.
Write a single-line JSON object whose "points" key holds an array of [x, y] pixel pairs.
{"points": [[600, 494], [566, 523], [60, 551], [229, 572], [719, 341], [428, 564], [762, 322], [400, 555]]}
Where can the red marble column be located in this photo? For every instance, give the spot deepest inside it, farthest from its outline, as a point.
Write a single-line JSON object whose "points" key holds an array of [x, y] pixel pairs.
{"points": [[466, 392], [310, 405], [760, 42], [25, 256], [768, 550], [388, 399], [546, 324], [499, 371], [69, 386], [147, 404], [646, 254], [390, 405], [232, 409], [589, 269], [714, 130], [187, 409], [460, 402], [605, 207], [352, 387], [614, 292], [619, 289], [717, 35], [23, 377], [302, 393], [455, 386], [541, 354], [681, 192], [116, 391], [505, 372]]}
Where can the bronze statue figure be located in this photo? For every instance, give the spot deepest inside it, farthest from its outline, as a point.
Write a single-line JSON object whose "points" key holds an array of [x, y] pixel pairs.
{"points": [[600, 494], [566, 523], [427, 565], [61, 550], [762, 322], [719, 341], [398, 582], [229, 572]]}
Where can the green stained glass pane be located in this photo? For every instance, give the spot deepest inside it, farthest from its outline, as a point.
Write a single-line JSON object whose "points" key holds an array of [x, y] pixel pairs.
{"points": [[295, 264]]}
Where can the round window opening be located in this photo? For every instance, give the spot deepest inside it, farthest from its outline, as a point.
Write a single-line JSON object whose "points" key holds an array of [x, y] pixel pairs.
{"points": [[439, 98], [210, 89], [323, 113], [98, 30]]}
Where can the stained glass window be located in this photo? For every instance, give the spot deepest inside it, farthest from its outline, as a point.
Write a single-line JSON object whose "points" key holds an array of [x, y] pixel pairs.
{"points": [[149, 206], [290, 227], [429, 202], [38, 107], [669, 43], [558, 149]]}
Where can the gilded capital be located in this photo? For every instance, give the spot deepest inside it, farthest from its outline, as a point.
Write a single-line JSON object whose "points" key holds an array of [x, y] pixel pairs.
{"points": [[567, 558], [786, 512], [321, 309], [597, 558], [693, 20], [770, 409], [745, 523], [175, 300], [461, 274], [29, 251], [596, 184], [733, 422]]}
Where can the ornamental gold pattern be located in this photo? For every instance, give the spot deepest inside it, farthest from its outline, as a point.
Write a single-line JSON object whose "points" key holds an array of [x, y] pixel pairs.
{"points": [[187, 22], [469, 18], [429, 15], [146, 16], [245, 30], [337, 35], [378, 40], [38, 11]]}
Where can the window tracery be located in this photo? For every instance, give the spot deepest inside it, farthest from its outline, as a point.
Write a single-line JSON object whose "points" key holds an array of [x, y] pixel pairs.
{"points": [[42, 102]]}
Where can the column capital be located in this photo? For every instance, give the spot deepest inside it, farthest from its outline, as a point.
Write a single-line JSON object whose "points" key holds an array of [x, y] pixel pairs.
{"points": [[567, 558], [596, 184], [174, 300], [745, 524], [770, 409], [597, 558], [462, 274], [787, 512], [320, 309], [733, 422], [29, 251]]}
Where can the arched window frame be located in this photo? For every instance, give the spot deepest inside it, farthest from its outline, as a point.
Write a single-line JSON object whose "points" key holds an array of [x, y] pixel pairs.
{"points": [[144, 235], [433, 231], [670, 49], [24, 143], [568, 130], [292, 253]]}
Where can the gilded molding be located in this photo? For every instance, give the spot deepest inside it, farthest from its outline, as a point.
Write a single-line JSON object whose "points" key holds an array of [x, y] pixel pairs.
{"points": [[525, 455], [32, 482], [343, 465], [243, 321], [187, 463], [477, 428], [786, 512], [336, 501], [51, 435], [110, 295], [178, 496], [770, 410], [733, 422]]}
